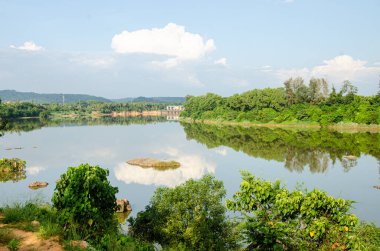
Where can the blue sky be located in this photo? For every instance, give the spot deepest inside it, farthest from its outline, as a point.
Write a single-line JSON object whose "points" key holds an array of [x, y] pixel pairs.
{"points": [[173, 48]]}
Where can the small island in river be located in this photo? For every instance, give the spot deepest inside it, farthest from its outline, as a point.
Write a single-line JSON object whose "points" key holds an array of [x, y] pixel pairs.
{"points": [[155, 163]]}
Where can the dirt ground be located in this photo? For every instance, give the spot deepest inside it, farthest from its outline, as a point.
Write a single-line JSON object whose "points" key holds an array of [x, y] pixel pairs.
{"points": [[31, 241]]}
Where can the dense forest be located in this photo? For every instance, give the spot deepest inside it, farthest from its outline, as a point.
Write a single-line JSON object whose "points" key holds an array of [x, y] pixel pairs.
{"points": [[295, 103]]}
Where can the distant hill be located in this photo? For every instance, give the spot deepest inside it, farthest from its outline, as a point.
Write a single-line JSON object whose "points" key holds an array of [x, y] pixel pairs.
{"points": [[12, 95], [152, 99]]}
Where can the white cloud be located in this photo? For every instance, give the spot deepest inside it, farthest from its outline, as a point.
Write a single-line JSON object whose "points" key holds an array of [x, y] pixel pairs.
{"points": [[284, 74], [221, 61], [172, 41], [28, 46], [265, 68], [192, 167], [288, 1], [99, 62], [337, 69]]}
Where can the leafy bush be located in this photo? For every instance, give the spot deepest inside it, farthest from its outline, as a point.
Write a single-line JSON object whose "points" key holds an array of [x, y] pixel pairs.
{"points": [[190, 216], [27, 212], [14, 244], [86, 201], [276, 218]]}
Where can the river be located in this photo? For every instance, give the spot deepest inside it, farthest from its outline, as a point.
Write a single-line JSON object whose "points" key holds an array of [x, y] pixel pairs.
{"points": [[313, 158]]}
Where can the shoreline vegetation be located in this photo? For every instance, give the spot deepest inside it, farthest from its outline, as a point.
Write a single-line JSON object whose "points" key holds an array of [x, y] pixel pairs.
{"points": [[295, 105], [190, 216], [16, 110]]}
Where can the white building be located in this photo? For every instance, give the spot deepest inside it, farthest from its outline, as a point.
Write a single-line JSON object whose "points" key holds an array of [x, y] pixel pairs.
{"points": [[177, 108]]}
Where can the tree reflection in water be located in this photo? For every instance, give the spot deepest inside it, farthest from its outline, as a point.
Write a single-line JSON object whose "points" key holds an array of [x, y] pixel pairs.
{"points": [[297, 148]]}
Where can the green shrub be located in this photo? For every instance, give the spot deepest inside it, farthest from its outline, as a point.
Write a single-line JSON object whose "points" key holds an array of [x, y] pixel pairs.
{"points": [[26, 212], [276, 218], [190, 216], [14, 244], [86, 201]]}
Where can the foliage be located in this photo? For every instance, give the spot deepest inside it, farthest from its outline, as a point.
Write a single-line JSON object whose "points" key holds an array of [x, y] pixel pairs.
{"points": [[13, 245], [5, 236], [86, 201], [12, 169], [189, 216], [276, 218], [21, 216], [118, 242], [13, 110], [296, 103]]}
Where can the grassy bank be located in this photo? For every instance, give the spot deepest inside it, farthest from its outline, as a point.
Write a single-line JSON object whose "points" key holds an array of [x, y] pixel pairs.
{"points": [[35, 225]]}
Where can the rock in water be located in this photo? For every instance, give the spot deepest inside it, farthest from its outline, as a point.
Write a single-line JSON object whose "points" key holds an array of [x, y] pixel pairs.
{"points": [[38, 184]]}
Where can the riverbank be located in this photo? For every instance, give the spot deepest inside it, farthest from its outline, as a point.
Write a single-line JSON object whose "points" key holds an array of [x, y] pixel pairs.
{"points": [[341, 127]]}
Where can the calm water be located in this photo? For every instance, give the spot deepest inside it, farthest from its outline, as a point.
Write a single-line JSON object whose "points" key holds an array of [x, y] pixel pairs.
{"points": [[314, 158]]}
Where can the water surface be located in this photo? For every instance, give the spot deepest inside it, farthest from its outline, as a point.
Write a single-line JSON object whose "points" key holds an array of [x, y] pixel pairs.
{"points": [[312, 157]]}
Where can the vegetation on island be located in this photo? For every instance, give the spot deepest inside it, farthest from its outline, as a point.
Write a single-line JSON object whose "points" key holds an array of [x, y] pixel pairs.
{"points": [[295, 103], [155, 163], [12, 169], [191, 216]]}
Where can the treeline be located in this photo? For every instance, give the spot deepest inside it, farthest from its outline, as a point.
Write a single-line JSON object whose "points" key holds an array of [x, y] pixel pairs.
{"points": [[296, 102], [11, 110]]}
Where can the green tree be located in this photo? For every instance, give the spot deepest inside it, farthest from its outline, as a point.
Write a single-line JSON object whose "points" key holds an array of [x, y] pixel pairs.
{"points": [[277, 219], [189, 216], [85, 201]]}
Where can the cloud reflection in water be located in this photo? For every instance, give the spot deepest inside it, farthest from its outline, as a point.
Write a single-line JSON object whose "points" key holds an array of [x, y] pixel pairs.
{"points": [[192, 167]]}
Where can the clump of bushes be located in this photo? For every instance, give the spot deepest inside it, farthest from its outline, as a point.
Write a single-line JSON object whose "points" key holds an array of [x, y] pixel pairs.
{"points": [[277, 219], [190, 216]]}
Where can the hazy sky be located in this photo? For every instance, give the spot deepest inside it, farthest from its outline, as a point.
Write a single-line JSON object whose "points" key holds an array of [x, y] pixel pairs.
{"points": [[172, 48]]}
